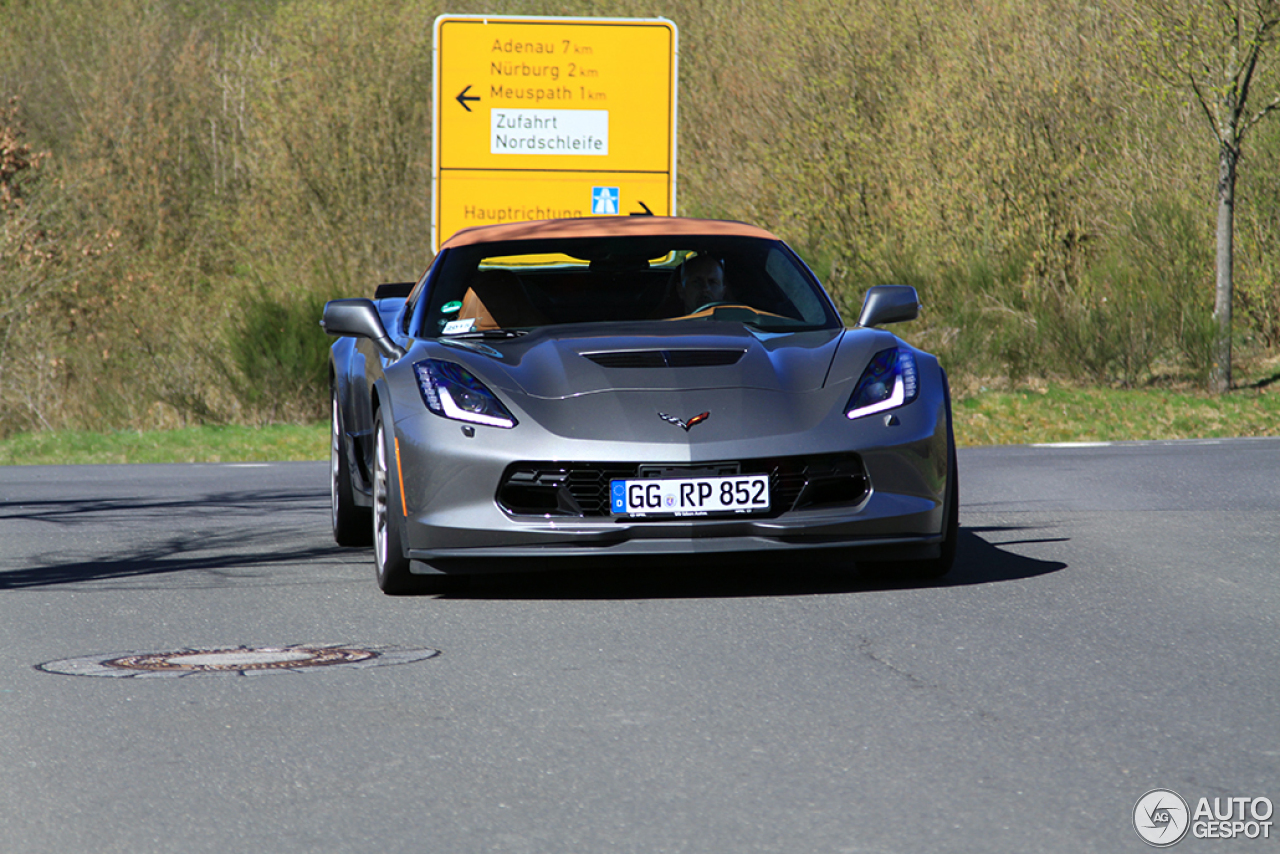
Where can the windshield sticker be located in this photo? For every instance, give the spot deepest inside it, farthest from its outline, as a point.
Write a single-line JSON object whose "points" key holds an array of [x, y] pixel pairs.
{"points": [[451, 307], [457, 327]]}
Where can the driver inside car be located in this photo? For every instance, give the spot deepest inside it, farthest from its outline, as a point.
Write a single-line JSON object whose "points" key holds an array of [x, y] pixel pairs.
{"points": [[702, 283]]}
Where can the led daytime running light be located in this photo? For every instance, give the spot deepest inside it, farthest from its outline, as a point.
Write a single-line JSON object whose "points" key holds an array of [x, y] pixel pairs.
{"points": [[451, 391], [890, 380]]}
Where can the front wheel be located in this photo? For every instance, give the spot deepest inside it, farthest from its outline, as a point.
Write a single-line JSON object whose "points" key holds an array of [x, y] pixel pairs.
{"points": [[392, 566]]}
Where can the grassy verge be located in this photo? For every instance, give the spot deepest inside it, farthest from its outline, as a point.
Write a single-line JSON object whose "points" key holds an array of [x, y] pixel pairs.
{"points": [[1052, 414], [1058, 414], [188, 445]]}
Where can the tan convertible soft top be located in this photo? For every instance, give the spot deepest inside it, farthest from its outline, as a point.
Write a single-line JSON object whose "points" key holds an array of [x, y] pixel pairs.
{"points": [[605, 226]]}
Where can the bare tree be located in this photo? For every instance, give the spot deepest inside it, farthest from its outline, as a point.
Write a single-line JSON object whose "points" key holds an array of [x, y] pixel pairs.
{"points": [[1219, 51]]}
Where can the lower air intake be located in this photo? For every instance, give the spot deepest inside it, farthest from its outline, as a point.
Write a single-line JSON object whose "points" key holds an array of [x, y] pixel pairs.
{"points": [[582, 489]]}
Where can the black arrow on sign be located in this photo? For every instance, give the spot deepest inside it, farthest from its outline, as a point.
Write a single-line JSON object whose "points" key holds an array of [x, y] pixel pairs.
{"points": [[645, 212], [463, 97]]}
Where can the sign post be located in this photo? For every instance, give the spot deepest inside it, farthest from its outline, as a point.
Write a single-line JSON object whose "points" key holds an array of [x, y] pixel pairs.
{"points": [[541, 118]]}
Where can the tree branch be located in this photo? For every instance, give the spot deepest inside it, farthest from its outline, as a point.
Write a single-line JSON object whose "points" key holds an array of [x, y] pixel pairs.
{"points": [[1243, 80], [1204, 105], [1261, 114]]}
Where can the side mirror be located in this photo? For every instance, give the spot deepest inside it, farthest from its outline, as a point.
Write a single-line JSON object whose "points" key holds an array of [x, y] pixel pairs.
{"points": [[359, 318], [889, 304]]}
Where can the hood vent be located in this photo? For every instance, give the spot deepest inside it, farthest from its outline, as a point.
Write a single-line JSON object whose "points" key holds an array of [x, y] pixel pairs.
{"points": [[666, 358]]}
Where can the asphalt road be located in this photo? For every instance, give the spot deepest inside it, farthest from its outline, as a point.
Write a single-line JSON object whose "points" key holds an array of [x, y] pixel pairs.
{"points": [[1110, 628]]}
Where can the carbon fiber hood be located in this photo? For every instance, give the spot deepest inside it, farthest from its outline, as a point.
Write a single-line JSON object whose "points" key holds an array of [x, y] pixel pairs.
{"points": [[562, 363]]}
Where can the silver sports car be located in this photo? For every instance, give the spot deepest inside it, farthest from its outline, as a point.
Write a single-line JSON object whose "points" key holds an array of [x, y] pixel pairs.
{"points": [[632, 387]]}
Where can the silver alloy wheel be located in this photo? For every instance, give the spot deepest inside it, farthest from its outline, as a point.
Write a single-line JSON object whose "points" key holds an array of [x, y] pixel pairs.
{"points": [[380, 520]]}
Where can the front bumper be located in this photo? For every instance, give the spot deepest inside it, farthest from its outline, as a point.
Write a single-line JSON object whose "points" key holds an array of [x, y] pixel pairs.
{"points": [[455, 519]]}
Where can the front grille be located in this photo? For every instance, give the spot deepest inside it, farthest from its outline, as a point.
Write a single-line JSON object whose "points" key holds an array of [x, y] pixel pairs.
{"points": [[665, 358], [582, 489]]}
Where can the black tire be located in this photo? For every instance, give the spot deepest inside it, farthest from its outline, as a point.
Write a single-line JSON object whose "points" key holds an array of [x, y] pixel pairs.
{"points": [[352, 525], [388, 550]]}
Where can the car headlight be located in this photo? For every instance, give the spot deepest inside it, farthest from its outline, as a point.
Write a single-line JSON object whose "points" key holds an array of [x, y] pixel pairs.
{"points": [[451, 391], [890, 381]]}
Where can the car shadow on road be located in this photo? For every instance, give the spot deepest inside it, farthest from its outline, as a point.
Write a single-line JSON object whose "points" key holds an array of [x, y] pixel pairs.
{"points": [[978, 561], [208, 547], [179, 561]]}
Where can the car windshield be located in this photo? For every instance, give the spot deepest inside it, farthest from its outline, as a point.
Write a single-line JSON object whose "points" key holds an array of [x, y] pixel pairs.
{"points": [[500, 289]]}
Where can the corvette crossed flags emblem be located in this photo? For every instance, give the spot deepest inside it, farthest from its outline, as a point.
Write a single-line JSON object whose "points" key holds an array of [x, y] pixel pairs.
{"points": [[697, 419]]}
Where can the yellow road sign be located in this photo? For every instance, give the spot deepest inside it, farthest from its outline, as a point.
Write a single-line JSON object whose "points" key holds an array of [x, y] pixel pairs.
{"points": [[537, 118]]}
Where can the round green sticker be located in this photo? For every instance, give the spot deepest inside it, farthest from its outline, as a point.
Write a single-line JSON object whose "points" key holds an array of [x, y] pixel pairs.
{"points": [[451, 307]]}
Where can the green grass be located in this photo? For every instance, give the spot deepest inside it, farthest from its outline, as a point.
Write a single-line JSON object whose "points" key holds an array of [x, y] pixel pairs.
{"points": [[188, 445], [1028, 416], [1061, 414]]}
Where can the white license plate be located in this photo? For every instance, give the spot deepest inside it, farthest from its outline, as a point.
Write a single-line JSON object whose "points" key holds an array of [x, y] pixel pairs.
{"points": [[689, 496]]}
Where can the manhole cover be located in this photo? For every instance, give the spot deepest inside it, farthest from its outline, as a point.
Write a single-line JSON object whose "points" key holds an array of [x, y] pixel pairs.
{"points": [[243, 660]]}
